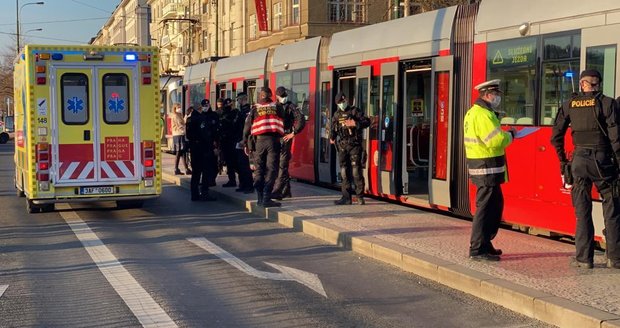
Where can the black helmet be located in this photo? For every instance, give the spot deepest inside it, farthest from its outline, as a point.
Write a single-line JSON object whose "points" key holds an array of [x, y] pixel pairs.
{"points": [[205, 102], [340, 97], [592, 73], [281, 92]]}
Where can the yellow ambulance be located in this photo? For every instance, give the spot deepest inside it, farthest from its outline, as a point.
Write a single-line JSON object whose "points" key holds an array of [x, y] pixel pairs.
{"points": [[87, 125]]}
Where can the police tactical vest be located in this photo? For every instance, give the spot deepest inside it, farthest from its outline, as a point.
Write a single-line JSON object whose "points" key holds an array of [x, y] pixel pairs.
{"points": [[350, 134], [584, 111], [267, 120]]}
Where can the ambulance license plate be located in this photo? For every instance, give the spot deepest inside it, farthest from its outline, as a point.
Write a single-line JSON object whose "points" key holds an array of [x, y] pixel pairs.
{"points": [[96, 190]]}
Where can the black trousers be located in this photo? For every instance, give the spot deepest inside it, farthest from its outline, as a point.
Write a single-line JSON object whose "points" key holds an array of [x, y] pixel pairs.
{"points": [[283, 182], [489, 208], [266, 158], [350, 158], [591, 166], [243, 168], [230, 158], [201, 170]]}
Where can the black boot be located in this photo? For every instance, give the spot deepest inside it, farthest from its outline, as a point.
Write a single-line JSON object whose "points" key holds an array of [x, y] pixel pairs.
{"points": [[276, 195], [260, 198], [343, 201], [286, 191], [360, 200], [267, 202]]}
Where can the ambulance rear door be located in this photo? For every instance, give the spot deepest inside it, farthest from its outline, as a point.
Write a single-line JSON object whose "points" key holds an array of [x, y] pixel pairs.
{"points": [[118, 121], [95, 117]]}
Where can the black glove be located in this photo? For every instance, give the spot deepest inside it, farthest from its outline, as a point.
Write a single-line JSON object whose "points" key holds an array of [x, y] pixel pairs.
{"points": [[567, 175]]}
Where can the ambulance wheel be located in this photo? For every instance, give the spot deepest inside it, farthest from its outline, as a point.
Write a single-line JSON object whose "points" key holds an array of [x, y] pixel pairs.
{"points": [[127, 204], [4, 138], [31, 207]]}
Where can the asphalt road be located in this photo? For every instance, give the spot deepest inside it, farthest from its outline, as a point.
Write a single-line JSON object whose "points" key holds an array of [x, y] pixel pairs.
{"points": [[139, 267]]}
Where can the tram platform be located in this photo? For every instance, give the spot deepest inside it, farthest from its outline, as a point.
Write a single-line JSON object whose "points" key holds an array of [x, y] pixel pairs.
{"points": [[533, 278]]}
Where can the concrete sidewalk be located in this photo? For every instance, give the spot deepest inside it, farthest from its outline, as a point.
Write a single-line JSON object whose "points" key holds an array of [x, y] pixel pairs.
{"points": [[533, 278]]}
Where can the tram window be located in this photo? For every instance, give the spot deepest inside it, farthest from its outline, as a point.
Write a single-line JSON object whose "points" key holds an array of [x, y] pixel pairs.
{"points": [[173, 98], [373, 108], [197, 92], [362, 94], [560, 73], [603, 59], [389, 103], [325, 121], [297, 84], [74, 94], [116, 102], [514, 62]]}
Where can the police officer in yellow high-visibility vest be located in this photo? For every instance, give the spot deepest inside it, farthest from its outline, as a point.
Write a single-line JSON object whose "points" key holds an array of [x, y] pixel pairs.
{"points": [[485, 144]]}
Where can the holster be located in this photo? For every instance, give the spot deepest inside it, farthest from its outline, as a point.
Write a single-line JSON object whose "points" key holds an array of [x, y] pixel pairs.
{"points": [[252, 143]]}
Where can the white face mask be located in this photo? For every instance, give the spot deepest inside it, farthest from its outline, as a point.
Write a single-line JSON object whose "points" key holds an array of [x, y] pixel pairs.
{"points": [[342, 105], [497, 99], [282, 99]]}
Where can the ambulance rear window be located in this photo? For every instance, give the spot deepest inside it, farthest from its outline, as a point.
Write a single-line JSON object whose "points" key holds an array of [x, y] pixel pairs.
{"points": [[74, 93], [116, 98]]}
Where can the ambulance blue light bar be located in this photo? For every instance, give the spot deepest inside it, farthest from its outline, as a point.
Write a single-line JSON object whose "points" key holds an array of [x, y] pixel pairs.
{"points": [[131, 57], [57, 56], [569, 74]]}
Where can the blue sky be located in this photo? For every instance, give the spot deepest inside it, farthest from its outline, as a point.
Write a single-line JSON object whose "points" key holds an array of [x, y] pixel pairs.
{"points": [[62, 21]]}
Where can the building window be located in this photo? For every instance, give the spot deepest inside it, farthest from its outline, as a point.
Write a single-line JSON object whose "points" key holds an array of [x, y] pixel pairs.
{"points": [[205, 41], [346, 11], [253, 27], [277, 16], [205, 7], [295, 13]]}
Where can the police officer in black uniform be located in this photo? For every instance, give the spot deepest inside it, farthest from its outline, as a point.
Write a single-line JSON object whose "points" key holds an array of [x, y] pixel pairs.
{"points": [[263, 130], [594, 119], [294, 122], [212, 162], [243, 162], [346, 132], [227, 141], [200, 133]]}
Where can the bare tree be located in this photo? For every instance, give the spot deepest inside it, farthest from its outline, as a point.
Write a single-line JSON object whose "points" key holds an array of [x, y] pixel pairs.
{"points": [[429, 5], [7, 58]]}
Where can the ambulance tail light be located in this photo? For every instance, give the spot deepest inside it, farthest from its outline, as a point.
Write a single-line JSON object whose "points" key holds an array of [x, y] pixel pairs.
{"points": [[43, 165], [148, 162], [146, 80], [41, 80]]}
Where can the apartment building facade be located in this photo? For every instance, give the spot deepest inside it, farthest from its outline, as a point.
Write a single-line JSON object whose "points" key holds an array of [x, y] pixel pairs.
{"points": [[128, 24]]}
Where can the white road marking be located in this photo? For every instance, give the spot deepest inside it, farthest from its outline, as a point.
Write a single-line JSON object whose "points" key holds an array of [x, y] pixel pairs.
{"points": [[3, 289], [307, 279], [146, 310]]}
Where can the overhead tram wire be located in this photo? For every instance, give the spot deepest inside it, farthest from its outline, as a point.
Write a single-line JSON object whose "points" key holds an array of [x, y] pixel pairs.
{"points": [[45, 38], [59, 21]]}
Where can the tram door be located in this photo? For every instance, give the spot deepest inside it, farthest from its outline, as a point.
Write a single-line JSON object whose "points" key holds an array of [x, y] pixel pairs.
{"points": [[346, 85], [416, 129], [362, 77], [387, 126], [325, 151], [441, 132]]}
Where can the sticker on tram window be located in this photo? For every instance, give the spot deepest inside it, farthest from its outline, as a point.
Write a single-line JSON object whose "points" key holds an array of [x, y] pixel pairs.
{"points": [[116, 98]]}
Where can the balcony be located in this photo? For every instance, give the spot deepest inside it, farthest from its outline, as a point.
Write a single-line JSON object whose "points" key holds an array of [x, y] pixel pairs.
{"points": [[173, 10]]}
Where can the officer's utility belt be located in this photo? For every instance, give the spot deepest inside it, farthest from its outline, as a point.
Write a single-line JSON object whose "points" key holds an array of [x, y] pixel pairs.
{"points": [[594, 147], [590, 138]]}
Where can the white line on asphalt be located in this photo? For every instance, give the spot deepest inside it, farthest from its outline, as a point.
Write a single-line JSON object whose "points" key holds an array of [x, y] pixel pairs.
{"points": [[307, 279], [3, 289], [146, 310]]}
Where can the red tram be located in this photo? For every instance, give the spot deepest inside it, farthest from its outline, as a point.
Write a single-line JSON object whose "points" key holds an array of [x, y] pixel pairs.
{"points": [[414, 78]]}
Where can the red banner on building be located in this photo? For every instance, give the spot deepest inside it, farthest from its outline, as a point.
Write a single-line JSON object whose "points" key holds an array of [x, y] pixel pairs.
{"points": [[261, 14]]}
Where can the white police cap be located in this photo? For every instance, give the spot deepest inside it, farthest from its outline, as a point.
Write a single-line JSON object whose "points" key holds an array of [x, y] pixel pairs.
{"points": [[492, 85]]}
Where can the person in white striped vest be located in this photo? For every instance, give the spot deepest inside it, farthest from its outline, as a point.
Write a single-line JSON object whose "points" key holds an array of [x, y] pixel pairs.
{"points": [[261, 136]]}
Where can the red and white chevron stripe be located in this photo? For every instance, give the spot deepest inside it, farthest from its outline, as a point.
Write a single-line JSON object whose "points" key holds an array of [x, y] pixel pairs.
{"points": [[77, 170], [117, 169]]}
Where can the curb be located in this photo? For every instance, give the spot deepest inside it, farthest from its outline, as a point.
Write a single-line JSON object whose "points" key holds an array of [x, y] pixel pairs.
{"points": [[530, 302]]}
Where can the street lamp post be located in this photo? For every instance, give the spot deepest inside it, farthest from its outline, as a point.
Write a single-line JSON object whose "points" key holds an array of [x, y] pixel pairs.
{"points": [[18, 10]]}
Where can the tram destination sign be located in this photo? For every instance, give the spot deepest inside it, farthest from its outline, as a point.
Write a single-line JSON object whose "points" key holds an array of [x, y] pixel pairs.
{"points": [[511, 53]]}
